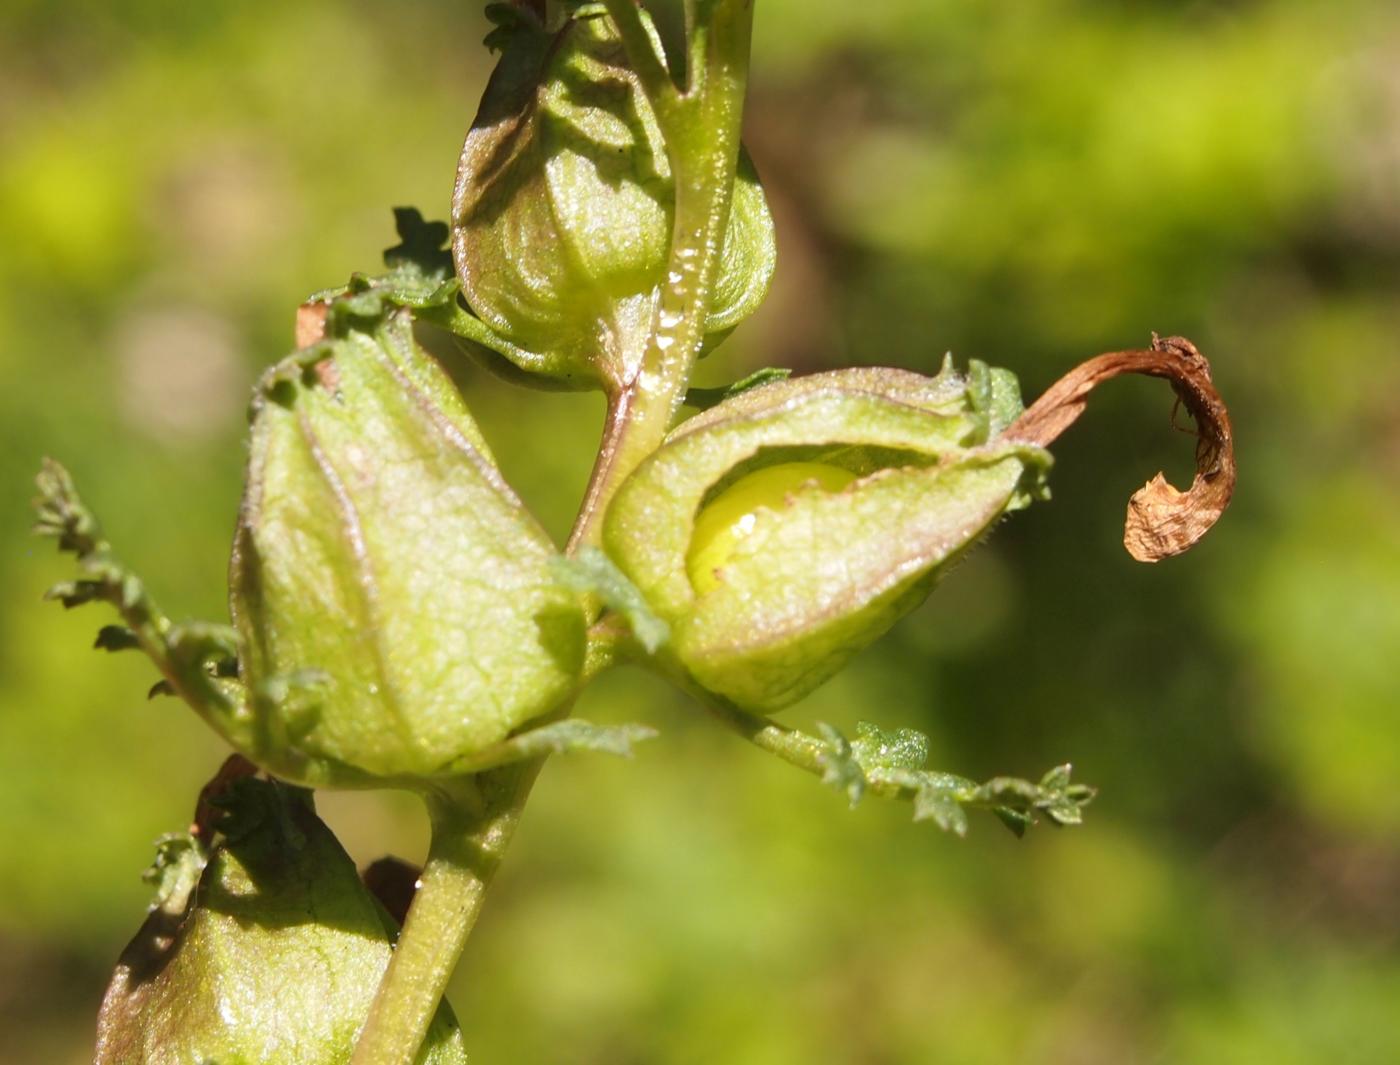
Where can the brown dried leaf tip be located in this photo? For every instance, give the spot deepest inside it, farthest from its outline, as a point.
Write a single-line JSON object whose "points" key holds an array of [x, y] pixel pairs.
{"points": [[1162, 520]]}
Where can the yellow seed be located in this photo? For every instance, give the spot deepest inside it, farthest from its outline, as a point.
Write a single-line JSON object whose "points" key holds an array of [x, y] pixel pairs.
{"points": [[732, 514]]}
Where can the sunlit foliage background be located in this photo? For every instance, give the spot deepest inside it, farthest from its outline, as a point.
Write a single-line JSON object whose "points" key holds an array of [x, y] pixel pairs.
{"points": [[1029, 183]]}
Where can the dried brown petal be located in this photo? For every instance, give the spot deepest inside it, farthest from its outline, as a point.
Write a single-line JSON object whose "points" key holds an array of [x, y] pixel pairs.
{"points": [[1162, 520]]}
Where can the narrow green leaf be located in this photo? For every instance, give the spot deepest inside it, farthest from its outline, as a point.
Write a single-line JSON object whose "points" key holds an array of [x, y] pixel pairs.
{"points": [[560, 737], [591, 572], [574, 734]]}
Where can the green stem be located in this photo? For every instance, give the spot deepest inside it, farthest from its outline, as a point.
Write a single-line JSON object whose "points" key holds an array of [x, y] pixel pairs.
{"points": [[701, 129], [810, 753], [471, 830], [642, 54], [470, 833], [1007, 796], [800, 749]]}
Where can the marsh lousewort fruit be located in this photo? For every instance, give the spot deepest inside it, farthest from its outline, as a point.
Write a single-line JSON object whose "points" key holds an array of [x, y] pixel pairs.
{"points": [[784, 529], [564, 204], [395, 602], [265, 947]]}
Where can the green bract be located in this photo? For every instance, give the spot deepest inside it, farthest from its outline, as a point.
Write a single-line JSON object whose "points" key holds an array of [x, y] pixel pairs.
{"points": [[786, 528], [563, 208], [271, 953], [396, 606]]}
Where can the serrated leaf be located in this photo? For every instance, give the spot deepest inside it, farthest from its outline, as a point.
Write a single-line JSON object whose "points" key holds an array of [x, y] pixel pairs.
{"points": [[61, 513], [890, 765], [419, 277], [182, 653]]}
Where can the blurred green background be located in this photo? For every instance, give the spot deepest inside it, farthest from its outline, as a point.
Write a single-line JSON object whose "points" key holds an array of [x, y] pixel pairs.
{"points": [[1027, 183]]}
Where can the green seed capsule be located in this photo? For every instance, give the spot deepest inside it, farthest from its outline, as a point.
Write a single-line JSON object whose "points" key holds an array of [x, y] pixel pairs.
{"points": [[266, 949], [564, 207], [772, 576], [395, 601], [733, 514]]}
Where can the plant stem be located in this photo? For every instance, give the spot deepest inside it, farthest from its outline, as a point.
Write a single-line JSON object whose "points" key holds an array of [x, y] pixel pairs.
{"points": [[470, 833], [701, 130], [472, 828], [642, 54], [1017, 802], [806, 752]]}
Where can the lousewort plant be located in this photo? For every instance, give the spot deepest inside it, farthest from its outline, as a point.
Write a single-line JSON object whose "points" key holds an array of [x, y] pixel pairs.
{"points": [[400, 620]]}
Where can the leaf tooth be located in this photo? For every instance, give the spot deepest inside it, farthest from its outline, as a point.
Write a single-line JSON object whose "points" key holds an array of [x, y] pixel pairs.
{"points": [[937, 805], [76, 593], [1016, 820], [115, 638]]}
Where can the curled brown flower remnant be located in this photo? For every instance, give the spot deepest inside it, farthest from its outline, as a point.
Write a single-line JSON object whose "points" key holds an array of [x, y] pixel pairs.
{"points": [[1162, 520]]}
